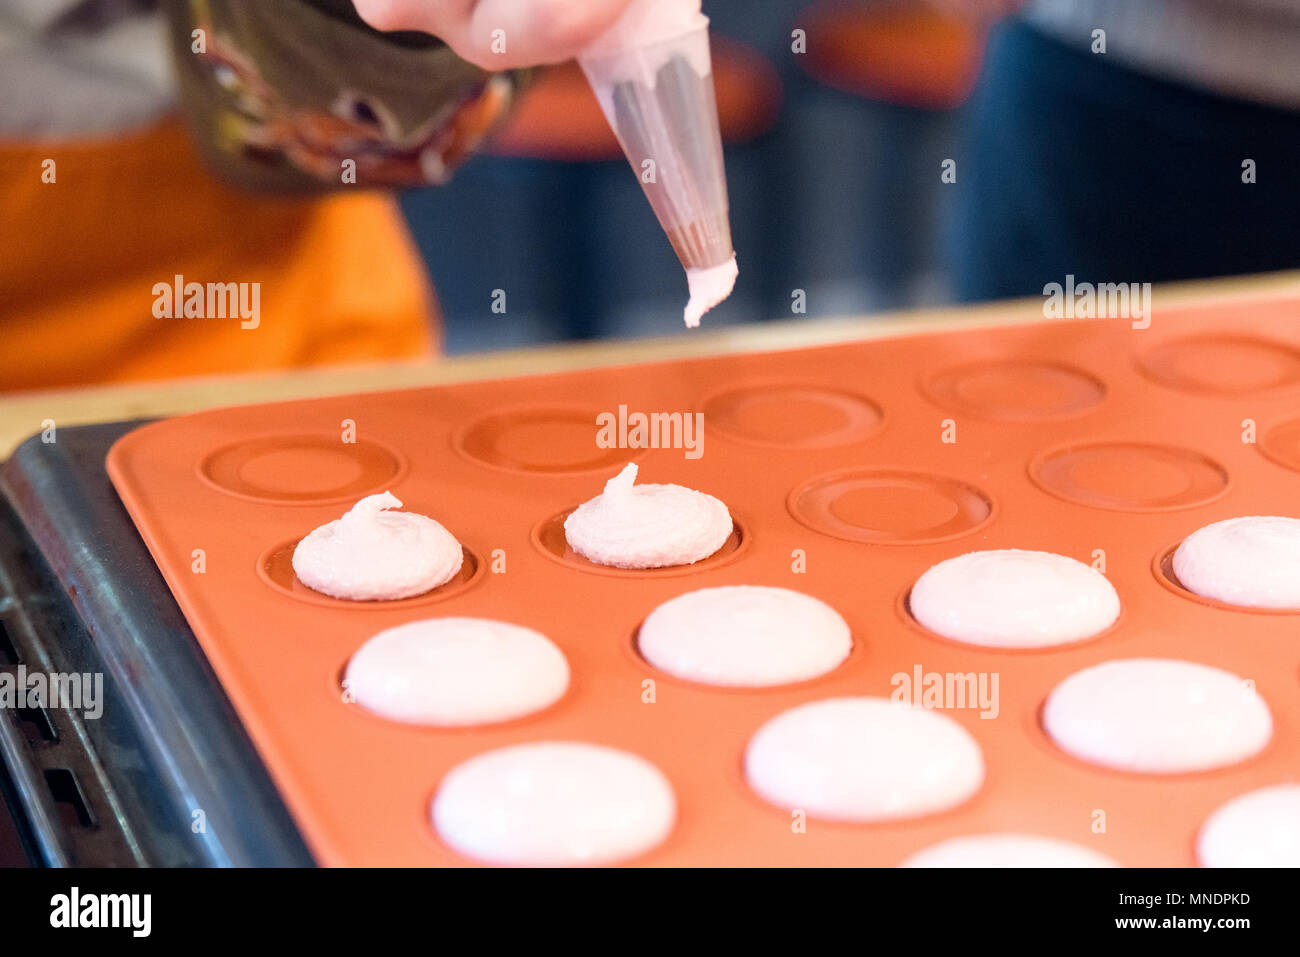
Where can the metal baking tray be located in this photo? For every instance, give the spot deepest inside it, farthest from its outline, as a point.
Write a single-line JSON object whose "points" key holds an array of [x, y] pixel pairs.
{"points": [[166, 776]]}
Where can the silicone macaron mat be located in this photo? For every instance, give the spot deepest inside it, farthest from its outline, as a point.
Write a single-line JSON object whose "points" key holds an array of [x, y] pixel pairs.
{"points": [[849, 470]]}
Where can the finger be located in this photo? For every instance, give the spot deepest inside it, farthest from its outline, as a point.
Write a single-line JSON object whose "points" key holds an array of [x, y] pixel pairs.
{"points": [[429, 16], [500, 34], [512, 33]]}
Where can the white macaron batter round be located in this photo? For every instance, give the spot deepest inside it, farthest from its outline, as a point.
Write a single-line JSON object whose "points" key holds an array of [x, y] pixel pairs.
{"points": [[863, 759], [647, 526], [1252, 561], [375, 554], [453, 672], [1013, 598], [1007, 850], [554, 803], [744, 636], [1157, 716], [1260, 828]]}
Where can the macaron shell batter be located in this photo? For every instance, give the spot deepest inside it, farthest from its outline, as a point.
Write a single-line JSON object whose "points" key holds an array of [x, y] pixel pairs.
{"points": [[863, 759], [647, 526], [1257, 829], [744, 636], [1013, 598], [1157, 716], [554, 803], [1253, 561], [454, 672], [374, 554], [1007, 850], [708, 288]]}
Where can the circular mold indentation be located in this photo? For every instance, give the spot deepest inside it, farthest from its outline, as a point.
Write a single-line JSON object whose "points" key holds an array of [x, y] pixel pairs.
{"points": [[1281, 444], [301, 469], [1224, 365], [1162, 566], [1129, 476], [275, 568], [549, 539], [555, 441], [889, 506], [791, 415], [1017, 391]]}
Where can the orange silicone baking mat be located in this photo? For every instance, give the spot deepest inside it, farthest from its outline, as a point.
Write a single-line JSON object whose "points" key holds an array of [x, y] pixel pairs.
{"points": [[850, 469]]}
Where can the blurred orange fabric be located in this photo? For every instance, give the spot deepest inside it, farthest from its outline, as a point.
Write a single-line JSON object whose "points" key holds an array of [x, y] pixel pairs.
{"points": [[340, 279]]}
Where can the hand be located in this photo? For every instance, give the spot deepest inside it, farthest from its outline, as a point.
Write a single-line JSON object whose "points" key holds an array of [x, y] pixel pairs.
{"points": [[500, 34]]}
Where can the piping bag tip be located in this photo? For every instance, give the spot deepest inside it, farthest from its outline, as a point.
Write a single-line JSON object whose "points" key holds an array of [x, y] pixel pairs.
{"points": [[708, 288], [652, 73]]}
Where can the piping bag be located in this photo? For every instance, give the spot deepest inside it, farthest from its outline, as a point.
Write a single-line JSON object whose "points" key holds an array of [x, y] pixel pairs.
{"points": [[653, 76]]}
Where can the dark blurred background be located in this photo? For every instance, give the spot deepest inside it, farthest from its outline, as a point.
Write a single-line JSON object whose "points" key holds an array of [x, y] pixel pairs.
{"points": [[833, 163], [1115, 141]]}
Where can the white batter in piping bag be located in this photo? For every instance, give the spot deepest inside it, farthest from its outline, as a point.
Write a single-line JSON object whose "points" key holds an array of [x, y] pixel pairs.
{"points": [[708, 288], [652, 73]]}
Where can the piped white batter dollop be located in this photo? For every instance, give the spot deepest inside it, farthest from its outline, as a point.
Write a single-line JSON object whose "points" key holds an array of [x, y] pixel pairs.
{"points": [[863, 759], [1253, 561], [457, 671], [374, 554], [1157, 716], [1007, 850], [554, 803], [647, 526], [1012, 598], [709, 287], [1257, 829], [745, 636]]}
